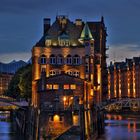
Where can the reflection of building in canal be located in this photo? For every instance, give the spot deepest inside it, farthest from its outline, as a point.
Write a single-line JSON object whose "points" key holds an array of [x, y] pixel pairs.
{"points": [[69, 64]]}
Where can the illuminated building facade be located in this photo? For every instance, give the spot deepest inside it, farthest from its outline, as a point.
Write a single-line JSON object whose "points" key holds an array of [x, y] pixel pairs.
{"points": [[124, 79], [5, 79], [69, 65]]}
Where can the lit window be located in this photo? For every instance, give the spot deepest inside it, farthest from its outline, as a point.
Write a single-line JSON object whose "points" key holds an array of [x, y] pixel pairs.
{"points": [[76, 74], [73, 73], [72, 86], [49, 86], [48, 42], [66, 87], [55, 86], [52, 72]]}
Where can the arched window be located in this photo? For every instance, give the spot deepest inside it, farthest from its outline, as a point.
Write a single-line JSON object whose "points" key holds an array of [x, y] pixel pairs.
{"points": [[76, 59], [52, 59], [43, 59], [55, 72], [60, 60], [72, 72], [69, 60]]}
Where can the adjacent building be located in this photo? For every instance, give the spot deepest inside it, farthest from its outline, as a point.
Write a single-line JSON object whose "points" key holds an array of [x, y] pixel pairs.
{"points": [[124, 79], [5, 79], [69, 72]]}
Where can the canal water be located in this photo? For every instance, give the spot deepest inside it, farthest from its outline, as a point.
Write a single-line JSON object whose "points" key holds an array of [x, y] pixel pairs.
{"points": [[118, 127], [121, 127], [6, 130]]}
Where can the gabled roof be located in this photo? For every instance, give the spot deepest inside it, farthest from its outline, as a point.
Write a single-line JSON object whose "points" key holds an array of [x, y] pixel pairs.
{"points": [[86, 33]]}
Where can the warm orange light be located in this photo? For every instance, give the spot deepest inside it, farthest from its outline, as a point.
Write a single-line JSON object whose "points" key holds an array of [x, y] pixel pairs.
{"points": [[56, 118], [64, 98], [91, 92], [75, 120]]}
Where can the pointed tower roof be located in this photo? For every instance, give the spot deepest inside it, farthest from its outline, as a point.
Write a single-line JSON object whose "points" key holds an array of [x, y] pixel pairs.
{"points": [[86, 33]]}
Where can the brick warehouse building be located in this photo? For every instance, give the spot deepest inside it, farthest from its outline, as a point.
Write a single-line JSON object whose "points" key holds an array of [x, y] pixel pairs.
{"points": [[124, 79], [69, 70], [5, 79]]}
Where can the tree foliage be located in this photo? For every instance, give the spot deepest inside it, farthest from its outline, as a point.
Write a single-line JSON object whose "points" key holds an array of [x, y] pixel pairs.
{"points": [[21, 84]]}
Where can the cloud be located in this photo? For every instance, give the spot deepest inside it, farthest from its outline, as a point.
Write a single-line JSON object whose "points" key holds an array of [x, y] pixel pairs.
{"points": [[121, 51], [8, 57]]}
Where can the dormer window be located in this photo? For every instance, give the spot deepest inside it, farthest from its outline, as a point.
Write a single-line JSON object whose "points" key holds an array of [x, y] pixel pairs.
{"points": [[52, 59], [48, 42], [43, 59], [63, 39]]}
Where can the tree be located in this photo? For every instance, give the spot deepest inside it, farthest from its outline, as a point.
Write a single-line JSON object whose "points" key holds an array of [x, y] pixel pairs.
{"points": [[21, 83]]}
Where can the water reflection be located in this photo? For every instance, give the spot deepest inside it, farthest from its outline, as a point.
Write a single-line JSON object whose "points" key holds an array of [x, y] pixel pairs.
{"points": [[6, 131], [121, 127]]}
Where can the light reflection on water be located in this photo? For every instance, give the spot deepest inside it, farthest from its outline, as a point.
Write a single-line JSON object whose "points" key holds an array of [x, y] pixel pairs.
{"points": [[119, 127], [6, 131]]}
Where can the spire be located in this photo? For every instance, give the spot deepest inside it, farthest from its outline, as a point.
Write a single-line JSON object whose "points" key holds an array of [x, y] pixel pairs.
{"points": [[102, 19], [86, 33]]}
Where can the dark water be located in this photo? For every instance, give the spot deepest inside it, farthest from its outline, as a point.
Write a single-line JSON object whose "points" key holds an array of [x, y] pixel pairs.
{"points": [[6, 130], [118, 127], [122, 127]]}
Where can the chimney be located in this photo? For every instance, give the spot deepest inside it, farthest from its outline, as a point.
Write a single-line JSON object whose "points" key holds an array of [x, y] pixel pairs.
{"points": [[78, 22], [47, 24]]}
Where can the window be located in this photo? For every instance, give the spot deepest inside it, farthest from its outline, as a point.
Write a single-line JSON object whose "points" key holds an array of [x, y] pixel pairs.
{"points": [[69, 60], [64, 42], [55, 86], [48, 42], [73, 73], [86, 67], [66, 86], [52, 59], [49, 86], [60, 60], [76, 73], [55, 72], [76, 60], [72, 86], [52, 72], [43, 59]]}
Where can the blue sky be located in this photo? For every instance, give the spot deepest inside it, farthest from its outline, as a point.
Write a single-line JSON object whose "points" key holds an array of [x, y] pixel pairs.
{"points": [[21, 24]]}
